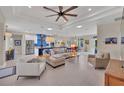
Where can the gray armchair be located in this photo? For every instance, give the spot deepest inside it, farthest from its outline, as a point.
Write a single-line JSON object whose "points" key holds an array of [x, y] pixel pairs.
{"points": [[99, 62]]}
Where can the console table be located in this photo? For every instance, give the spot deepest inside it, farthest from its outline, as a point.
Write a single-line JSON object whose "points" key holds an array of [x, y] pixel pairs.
{"points": [[114, 74]]}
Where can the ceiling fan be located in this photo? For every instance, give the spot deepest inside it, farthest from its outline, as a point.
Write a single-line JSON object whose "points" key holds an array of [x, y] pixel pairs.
{"points": [[62, 13]]}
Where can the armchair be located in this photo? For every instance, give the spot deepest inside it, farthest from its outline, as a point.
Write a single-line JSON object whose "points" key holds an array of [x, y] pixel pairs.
{"points": [[99, 62], [24, 68]]}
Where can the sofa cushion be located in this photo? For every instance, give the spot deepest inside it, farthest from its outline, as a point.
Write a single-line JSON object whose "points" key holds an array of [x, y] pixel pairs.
{"points": [[57, 55], [52, 58], [26, 58], [106, 56], [99, 55], [35, 60]]}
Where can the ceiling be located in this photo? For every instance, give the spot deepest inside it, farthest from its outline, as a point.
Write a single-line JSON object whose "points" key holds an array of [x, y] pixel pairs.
{"points": [[33, 20]]}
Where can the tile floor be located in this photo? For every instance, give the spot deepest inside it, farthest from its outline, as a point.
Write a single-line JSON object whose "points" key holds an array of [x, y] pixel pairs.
{"points": [[74, 73]]}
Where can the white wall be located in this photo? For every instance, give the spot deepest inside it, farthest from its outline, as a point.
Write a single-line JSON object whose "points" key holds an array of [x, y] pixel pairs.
{"points": [[106, 31], [18, 49], [91, 46], [9, 42], [2, 45], [122, 35], [2, 41], [2, 19], [31, 37]]}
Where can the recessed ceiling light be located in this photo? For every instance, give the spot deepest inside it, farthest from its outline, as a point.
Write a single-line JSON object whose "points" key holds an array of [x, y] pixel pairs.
{"points": [[49, 29], [80, 26], [90, 9], [29, 7]]}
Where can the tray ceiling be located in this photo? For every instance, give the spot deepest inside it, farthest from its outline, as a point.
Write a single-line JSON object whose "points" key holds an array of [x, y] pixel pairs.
{"points": [[23, 18]]}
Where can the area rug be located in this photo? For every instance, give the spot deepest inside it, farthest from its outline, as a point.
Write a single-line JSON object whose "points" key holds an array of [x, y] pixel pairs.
{"points": [[8, 71]]}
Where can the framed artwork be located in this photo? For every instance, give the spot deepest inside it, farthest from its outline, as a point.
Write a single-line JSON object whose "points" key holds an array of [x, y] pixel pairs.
{"points": [[122, 40], [112, 40], [17, 42]]}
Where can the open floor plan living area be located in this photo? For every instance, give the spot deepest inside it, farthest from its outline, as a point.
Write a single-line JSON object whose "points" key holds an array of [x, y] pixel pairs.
{"points": [[61, 46]]}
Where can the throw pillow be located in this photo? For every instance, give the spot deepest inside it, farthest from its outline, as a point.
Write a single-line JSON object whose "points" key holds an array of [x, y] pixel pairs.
{"points": [[106, 55], [99, 55]]}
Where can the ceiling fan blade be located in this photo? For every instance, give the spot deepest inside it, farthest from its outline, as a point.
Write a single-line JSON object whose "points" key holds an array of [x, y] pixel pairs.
{"points": [[57, 18], [73, 15], [71, 8], [51, 15], [60, 8], [65, 18], [50, 9]]}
